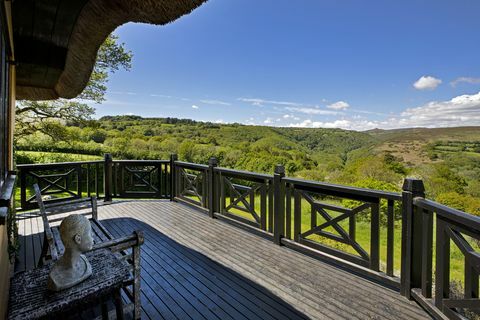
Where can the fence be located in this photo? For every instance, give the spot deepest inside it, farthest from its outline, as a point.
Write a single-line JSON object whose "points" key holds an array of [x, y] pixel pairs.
{"points": [[318, 219]]}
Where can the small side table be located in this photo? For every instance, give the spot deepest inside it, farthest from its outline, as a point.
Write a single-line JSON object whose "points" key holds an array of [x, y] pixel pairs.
{"points": [[30, 298]]}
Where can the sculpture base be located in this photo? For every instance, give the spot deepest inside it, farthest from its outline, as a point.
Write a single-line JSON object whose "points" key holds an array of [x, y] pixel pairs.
{"points": [[61, 278]]}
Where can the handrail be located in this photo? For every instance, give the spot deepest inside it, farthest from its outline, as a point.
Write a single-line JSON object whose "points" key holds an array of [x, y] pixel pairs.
{"points": [[465, 219], [140, 161], [243, 174], [191, 165], [345, 189], [7, 190], [56, 164]]}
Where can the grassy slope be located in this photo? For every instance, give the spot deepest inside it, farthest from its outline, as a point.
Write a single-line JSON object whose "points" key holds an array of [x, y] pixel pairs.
{"points": [[411, 145]]}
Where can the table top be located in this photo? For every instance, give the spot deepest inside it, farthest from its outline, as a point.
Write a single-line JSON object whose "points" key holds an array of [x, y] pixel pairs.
{"points": [[30, 298]]}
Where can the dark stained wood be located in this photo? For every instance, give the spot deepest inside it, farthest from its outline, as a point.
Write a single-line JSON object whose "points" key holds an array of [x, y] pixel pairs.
{"points": [[31, 299], [202, 268], [442, 270], [390, 236]]}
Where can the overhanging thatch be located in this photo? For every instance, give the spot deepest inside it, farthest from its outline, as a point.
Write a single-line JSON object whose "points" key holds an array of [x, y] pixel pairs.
{"points": [[56, 44]]}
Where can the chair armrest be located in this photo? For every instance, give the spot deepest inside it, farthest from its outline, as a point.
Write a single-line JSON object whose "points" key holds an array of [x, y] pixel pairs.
{"points": [[122, 243]]}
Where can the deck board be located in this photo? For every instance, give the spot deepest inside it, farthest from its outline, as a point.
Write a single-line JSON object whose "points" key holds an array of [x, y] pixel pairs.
{"points": [[195, 267]]}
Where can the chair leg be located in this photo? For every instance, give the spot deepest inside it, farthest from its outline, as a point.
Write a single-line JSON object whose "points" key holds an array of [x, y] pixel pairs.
{"points": [[118, 304], [104, 310], [136, 283], [44, 251]]}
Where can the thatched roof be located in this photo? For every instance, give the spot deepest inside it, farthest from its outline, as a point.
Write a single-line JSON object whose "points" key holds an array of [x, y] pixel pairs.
{"points": [[56, 42]]}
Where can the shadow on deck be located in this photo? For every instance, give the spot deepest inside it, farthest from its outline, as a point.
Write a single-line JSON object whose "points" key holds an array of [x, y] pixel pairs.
{"points": [[201, 268]]}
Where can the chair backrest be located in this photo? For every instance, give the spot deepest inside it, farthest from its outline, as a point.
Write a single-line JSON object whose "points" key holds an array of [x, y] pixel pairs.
{"points": [[46, 225], [50, 210]]}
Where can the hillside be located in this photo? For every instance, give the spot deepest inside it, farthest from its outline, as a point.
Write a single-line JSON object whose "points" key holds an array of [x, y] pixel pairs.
{"points": [[446, 158], [423, 145]]}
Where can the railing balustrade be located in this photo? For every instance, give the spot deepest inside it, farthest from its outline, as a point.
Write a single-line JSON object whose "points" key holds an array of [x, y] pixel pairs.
{"points": [[60, 181], [318, 219], [141, 179], [191, 183], [431, 230], [315, 212], [245, 196]]}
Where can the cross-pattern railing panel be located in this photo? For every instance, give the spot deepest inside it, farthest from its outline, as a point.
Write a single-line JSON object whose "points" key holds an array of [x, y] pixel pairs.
{"points": [[326, 218], [141, 179], [60, 181], [454, 231], [191, 183], [245, 196]]}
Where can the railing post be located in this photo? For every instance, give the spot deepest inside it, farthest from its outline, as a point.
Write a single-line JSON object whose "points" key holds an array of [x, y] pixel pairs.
{"points": [[279, 204], [23, 189], [212, 163], [79, 180], [411, 273], [107, 177], [173, 182]]}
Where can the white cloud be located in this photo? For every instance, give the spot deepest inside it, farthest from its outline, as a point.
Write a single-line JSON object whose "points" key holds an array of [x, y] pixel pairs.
{"points": [[216, 102], [470, 80], [220, 121], [159, 95], [341, 123], [316, 111], [195, 107], [261, 102], [129, 93], [427, 83], [339, 105], [287, 116], [268, 121], [462, 110]]}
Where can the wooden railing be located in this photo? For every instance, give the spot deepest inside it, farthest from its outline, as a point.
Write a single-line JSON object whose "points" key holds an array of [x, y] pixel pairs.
{"points": [[315, 218], [105, 179], [244, 196], [141, 178], [430, 230], [191, 183], [309, 202], [60, 181]]}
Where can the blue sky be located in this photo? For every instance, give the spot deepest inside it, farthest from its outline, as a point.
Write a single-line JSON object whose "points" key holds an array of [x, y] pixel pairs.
{"points": [[309, 63]]}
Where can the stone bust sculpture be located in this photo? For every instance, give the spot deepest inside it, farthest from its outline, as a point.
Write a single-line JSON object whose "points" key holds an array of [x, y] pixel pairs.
{"points": [[73, 267]]}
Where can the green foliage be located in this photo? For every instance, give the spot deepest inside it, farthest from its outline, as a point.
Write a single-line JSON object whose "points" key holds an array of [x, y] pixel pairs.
{"points": [[440, 178], [25, 157], [12, 234], [374, 184], [462, 202], [394, 164], [48, 117], [111, 57]]}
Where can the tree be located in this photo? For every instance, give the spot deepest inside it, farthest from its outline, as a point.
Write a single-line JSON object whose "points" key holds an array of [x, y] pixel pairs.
{"points": [[48, 117]]}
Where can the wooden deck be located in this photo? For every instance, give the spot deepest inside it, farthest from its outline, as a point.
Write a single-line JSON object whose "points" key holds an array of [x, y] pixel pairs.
{"points": [[195, 267]]}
